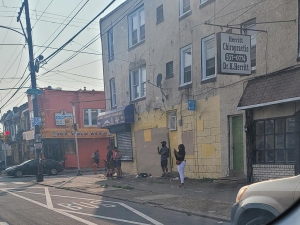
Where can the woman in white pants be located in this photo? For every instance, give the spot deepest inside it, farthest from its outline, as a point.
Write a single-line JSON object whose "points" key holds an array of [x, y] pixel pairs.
{"points": [[180, 162]]}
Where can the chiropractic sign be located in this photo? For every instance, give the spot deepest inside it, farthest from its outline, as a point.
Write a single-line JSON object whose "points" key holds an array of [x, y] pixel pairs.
{"points": [[233, 54]]}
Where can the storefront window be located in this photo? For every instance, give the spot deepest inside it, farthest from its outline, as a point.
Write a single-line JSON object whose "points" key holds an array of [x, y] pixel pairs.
{"points": [[275, 141]]}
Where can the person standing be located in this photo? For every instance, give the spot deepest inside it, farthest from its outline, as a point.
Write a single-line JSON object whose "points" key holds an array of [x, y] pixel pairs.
{"points": [[164, 155], [118, 162], [109, 161], [180, 162], [97, 157]]}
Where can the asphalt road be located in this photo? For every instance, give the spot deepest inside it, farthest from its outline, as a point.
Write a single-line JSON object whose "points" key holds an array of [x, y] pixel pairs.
{"points": [[22, 202]]}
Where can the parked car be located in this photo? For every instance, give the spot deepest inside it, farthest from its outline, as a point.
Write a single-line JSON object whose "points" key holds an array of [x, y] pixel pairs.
{"points": [[50, 167], [260, 203]]}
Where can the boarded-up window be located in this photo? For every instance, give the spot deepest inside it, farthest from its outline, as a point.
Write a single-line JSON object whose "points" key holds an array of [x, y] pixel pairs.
{"points": [[188, 141], [125, 145]]}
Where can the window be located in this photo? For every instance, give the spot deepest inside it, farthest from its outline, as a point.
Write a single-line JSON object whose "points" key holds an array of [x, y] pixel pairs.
{"points": [[159, 14], [208, 57], [90, 116], [113, 94], [275, 141], [185, 7], [138, 83], [186, 65], [169, 70], [110, 44], [136, 24], [172, 121], [203, 1], [251, 25]]}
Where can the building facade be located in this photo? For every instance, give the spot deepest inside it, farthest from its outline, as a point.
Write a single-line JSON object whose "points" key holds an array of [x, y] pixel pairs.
{"points": [[161, 62], [58, 144]]}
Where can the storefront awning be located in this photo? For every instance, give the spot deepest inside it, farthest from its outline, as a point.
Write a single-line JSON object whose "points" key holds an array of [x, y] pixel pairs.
{"points": [[116, 116], [271, 89], [28, 135]]}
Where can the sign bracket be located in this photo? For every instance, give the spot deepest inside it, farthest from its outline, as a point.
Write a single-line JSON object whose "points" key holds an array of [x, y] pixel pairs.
{"points": [[232, 27]]}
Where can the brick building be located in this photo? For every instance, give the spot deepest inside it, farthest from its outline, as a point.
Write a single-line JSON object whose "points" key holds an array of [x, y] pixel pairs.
{"points": [[54, 107]]}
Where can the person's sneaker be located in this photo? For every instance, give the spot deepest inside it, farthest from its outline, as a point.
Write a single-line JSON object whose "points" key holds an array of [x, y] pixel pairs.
{"points": [[163, 175], [181, 185]]}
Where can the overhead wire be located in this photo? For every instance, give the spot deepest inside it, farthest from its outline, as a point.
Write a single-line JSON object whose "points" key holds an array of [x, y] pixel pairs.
{"points": [[42, 14], [65, 25]]}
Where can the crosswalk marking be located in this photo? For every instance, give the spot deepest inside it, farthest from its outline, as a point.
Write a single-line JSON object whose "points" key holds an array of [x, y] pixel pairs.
{"points": [[3, 223], [7, 183]]}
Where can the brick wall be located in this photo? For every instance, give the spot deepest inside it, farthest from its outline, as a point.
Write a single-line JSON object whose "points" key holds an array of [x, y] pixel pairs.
{"points": [[266, 172]]}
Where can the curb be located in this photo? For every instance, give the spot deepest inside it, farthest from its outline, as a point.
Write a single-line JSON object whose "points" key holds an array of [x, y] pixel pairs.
{"points": [[180, 210]]}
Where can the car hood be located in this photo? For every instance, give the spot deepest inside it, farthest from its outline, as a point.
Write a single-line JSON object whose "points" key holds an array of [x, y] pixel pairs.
{"points": [[280, 190]]}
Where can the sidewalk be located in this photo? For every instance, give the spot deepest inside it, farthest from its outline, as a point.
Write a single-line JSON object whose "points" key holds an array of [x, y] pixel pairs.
{"points": [[205, 198]]}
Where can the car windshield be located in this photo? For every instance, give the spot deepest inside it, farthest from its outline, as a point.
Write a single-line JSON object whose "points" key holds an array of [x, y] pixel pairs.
{"points": [[190, 105]]}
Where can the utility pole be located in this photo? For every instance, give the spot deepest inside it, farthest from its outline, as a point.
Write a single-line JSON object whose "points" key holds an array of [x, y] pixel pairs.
{"points": [[39, 176], [76, 142]]}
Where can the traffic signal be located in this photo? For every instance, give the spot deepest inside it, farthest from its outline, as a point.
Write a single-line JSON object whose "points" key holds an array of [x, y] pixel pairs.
{"points": [[3, 138], [6, 136], [42, 115], [69, 124]]}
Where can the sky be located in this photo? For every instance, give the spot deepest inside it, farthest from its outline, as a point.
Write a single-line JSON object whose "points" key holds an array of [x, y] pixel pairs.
{"points": [[48, 19]]}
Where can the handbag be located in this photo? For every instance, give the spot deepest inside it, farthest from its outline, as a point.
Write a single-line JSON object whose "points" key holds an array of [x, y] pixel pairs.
{"points": [[178, 162]]}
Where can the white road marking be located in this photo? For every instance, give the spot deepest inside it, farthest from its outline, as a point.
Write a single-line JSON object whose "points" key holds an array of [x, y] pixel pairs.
{"points": [[3, 223], [2, 184], [48, 198], [140, 214], [55, 210], [19, 183], [122, 204], [107, 218]]}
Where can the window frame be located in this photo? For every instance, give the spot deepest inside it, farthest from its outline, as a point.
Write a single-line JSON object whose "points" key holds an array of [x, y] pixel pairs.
{"points": [[205, 40], [113, 93], [90, 117], [249, 24], [285, 149], [181, 13], [140, 74], [162, 18], [182, 62], [110, 42], [130, 16]]}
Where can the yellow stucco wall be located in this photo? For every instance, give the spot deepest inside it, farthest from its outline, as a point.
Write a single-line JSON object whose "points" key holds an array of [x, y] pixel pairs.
{"points": [[204, 123]]}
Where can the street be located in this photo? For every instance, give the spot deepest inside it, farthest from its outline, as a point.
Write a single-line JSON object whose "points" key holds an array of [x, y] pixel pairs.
{"points": [[23, 202]]}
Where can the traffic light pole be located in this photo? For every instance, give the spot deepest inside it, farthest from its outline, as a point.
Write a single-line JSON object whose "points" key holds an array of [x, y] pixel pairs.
{"points": [[76, 142], [39, 176]]}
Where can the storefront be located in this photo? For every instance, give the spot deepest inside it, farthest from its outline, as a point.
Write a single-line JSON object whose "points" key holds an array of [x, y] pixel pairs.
{"points": [[119, 121], [60, 145], [272, 105]]}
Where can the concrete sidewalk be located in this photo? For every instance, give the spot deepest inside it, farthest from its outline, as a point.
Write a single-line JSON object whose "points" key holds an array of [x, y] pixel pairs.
{"points": [[207, 198]]}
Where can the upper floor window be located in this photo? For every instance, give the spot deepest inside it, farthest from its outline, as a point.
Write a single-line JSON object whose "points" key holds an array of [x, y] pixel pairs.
{"points": [[159, 14], [208, 57], [186, 65], [90, 116], [136, 24], [113, 95], [203, 1], [184, 7], [111, 44], [251, 25], [138, 83]]}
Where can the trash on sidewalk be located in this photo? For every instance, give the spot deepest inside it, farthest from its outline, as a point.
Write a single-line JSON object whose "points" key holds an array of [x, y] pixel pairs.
{"points": [[143, 175]]}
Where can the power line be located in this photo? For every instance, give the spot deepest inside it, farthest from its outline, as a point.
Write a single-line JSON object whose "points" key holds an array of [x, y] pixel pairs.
{"points": [[42, 14], [61, 25], [74, 74], [70, 40], [221, 10], [17, 68]]}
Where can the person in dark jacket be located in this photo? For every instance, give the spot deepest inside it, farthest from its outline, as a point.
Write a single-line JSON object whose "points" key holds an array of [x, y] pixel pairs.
{"points": [[97, 157], [164, 155], [180, 162]]}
